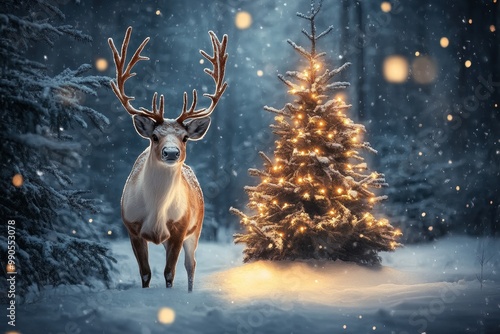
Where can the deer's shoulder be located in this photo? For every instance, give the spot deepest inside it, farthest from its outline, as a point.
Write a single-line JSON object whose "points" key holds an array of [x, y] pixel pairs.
{"points": [[191, 179], [139, 164]]}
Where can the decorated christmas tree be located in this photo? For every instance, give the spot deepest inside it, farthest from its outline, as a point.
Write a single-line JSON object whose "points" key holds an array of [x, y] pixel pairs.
{"points": [[315, 197]]}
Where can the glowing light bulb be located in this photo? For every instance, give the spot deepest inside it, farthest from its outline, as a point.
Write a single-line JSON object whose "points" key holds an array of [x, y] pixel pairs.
{"points": [[339, 190]]}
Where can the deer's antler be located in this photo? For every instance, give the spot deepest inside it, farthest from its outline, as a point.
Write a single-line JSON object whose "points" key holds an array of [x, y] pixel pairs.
{"points": [[218, 61], [123, 75]]}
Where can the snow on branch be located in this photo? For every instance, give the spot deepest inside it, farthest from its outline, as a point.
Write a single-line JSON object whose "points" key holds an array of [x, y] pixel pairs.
{"points": [[311, 38], [330, 28], [256, 172], [337, 85], [300, 49], [278, 111], [313, 12], [286, 82], [38, 141], [267, 161], [328, 75]]}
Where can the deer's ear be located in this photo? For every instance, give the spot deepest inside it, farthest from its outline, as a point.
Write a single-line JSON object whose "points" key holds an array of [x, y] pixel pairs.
{"points": [[197, 128], [144, 125]]}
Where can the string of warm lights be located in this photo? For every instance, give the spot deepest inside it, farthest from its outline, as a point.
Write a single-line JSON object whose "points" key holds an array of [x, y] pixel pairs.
{"points": [[316, 188]]}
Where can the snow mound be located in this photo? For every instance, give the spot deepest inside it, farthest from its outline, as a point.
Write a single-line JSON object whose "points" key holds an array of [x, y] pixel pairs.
{"points": [[320, 282]]}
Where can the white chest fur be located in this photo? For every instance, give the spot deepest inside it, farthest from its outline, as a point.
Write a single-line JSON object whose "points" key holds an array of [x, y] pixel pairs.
{"points": [[154, 198]]}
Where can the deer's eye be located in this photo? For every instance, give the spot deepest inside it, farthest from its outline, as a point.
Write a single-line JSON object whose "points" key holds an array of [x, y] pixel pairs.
{"points": [[185, 139], [155, 138]]}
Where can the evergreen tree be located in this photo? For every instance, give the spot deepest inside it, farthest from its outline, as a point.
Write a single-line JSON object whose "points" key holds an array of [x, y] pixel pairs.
{"points": [[40, 157], [423, 190], [314, 199]]}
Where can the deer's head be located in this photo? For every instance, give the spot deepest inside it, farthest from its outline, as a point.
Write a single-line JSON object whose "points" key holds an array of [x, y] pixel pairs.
{"points": [[168, 140], [168, 137]]}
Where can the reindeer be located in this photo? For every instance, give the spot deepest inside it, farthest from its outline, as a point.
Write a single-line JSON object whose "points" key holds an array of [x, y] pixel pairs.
{"points": [[162, 201]]}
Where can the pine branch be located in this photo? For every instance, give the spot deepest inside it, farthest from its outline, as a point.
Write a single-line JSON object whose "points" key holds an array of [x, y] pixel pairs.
{"points": [[330, 28], [286, 82], [300, 50], [279, 111], [267, 161], [256, 172], [311, 38]]}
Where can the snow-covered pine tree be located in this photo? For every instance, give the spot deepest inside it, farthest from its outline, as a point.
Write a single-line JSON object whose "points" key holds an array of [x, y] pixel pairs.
{"points": [[40, 158], [314, 199], [421, 185]]}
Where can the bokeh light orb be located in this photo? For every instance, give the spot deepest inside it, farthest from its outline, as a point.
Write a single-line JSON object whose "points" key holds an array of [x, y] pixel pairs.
{"points": [[396, 69], [101, 64], [444, 42], [17, 180], [166, 315], [424, 70], [386, 6], [243, 20]]}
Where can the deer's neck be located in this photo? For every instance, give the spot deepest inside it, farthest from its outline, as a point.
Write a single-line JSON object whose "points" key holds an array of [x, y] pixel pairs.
{"points": [[164, 189]]}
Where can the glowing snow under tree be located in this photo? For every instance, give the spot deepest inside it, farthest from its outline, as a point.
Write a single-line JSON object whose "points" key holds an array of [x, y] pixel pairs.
{"points": [[314, 198]]}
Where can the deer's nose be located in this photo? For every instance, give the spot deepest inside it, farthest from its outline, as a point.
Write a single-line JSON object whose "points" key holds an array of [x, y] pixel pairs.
{"points": [[170, 153]]}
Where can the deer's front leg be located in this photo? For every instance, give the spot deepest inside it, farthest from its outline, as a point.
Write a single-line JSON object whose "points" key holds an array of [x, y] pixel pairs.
{"points": [[140, 247], [173, 247], [190, 245]]}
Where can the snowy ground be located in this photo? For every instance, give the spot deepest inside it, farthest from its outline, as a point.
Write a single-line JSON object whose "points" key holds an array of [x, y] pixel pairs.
{"points": [[428, 288]]}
